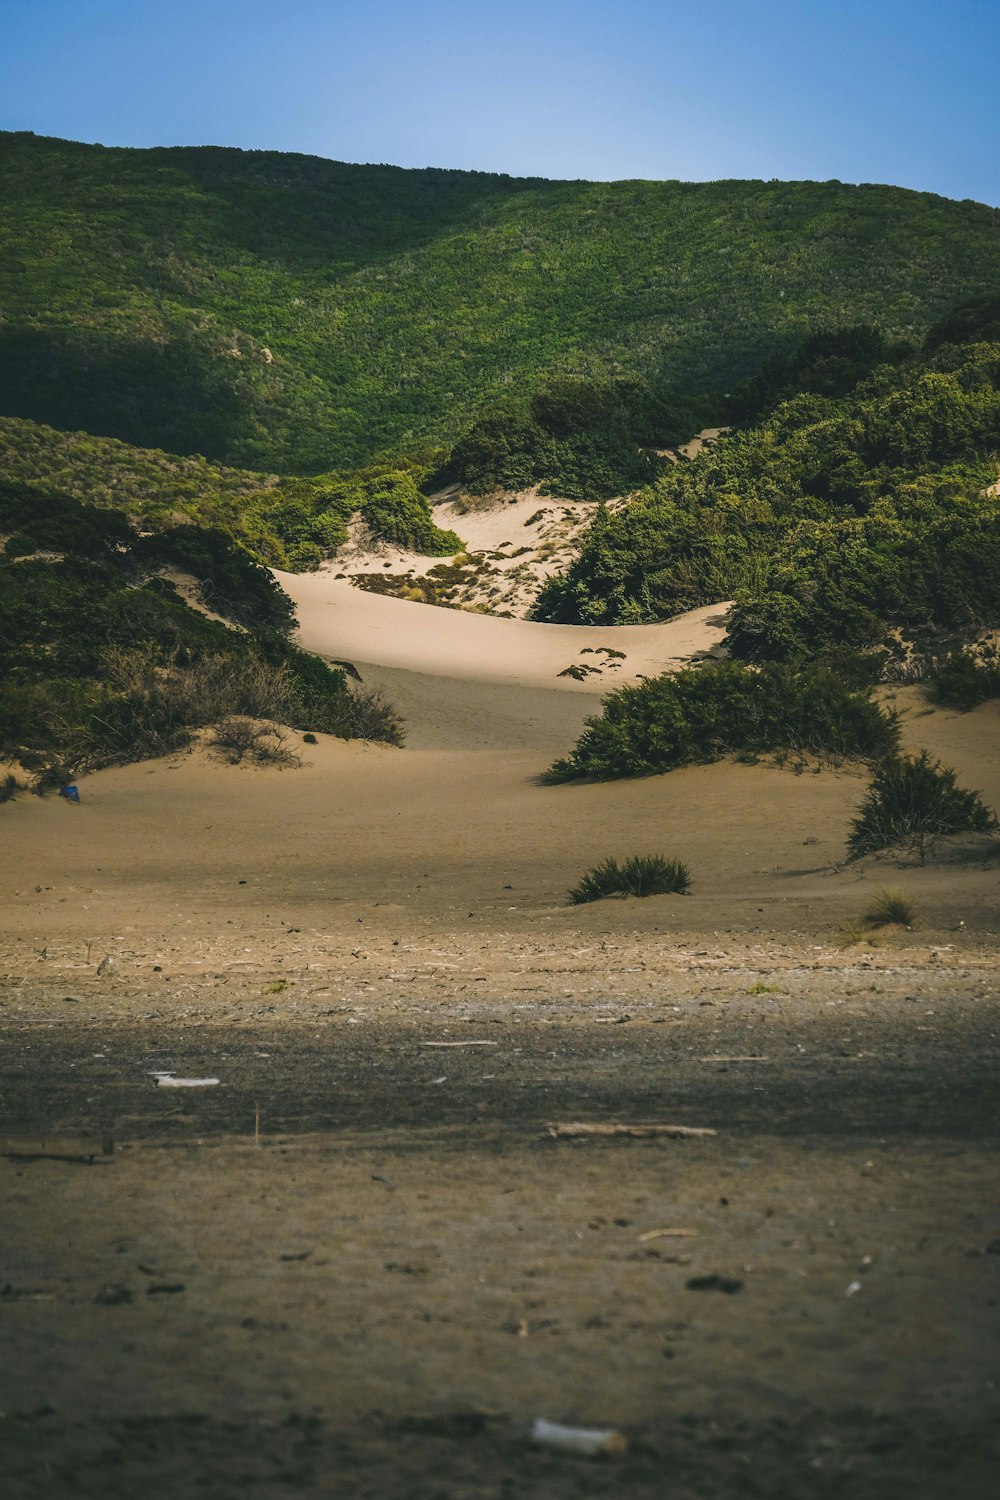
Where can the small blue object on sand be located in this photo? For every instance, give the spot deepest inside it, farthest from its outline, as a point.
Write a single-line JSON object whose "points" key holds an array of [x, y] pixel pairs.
{"points": [[70, 793]]}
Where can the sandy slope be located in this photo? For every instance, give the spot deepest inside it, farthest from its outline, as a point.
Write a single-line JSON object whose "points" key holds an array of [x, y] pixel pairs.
{"points": [[338, 620]]}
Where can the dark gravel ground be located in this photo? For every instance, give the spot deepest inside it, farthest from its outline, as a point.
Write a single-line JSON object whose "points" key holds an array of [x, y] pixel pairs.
{"points": [[863, 1124]]}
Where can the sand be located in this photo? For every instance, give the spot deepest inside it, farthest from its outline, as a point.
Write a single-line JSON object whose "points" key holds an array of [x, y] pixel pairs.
{"points": [[360, 1264], [338, 620]]}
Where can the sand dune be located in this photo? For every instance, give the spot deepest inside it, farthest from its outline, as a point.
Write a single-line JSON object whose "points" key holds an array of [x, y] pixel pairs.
{"points": [[338, 620]]}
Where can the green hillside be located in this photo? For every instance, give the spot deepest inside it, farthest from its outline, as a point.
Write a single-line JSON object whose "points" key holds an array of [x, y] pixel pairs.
{"points": [[284, 523], [865, 518], [287, 313]]}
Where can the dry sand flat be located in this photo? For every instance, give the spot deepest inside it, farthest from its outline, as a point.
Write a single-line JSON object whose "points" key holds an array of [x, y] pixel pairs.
{"points": [[380, 1295]]}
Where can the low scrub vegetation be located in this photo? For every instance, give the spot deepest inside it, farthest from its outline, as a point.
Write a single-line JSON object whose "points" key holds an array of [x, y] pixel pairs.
{"points": [[102, 662], [912, 803], [723, 708], [642, 875], [239, 739]]}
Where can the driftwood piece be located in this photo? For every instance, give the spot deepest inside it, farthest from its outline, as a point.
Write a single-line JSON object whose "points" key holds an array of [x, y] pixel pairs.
{"points": [[667, 1234], [460, 1044]]}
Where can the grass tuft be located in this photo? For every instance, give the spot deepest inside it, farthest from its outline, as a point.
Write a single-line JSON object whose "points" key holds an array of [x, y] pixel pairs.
{"points": [[891, 909]]}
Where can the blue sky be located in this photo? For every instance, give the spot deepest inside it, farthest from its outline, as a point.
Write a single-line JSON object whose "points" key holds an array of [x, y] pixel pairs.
{"points": [[900, 91]]}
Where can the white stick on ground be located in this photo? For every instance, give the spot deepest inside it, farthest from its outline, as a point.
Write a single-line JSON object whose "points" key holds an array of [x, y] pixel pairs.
{"points": [[459, 1044], [168, 1081], [680, 1132], [593, 1442]]}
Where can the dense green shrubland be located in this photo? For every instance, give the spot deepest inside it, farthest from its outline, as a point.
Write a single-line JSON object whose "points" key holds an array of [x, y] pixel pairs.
{"points": [[101, 661], [833, 522], [581, 439], [281, 312], [284, 523], [722, 708]]}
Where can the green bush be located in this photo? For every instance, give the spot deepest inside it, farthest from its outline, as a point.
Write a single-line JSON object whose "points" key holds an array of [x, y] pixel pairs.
{"points": [[395, 511], [721, 708], [963, 681], [642, 875], [913, 802]]}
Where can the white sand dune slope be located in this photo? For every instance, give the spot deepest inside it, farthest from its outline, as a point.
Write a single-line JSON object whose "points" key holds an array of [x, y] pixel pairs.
{"points": [[340, 621]]}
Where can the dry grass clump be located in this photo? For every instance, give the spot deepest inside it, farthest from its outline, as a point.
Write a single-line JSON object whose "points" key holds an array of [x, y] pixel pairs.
{"points": [[150, 708], [9, 787], [239, 739], [365, 714], [642, 875], [891, 909]]}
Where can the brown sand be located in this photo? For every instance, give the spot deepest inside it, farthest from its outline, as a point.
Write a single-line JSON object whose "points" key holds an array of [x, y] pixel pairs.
{"points": [[380, 1295]]}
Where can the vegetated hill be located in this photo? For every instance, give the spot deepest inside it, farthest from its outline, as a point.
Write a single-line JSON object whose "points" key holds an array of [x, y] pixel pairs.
{"points": [[293, 314], [285, 523], [866, 520]]}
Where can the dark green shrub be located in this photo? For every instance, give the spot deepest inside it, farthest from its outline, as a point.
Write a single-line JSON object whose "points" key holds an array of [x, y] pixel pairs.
{"points": [[718, 709], [913, 802], [642, 875], [395, 511], [230, 582], [962, 681], [585, 439]]}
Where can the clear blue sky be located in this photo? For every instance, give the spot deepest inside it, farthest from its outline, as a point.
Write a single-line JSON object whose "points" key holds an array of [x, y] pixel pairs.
{"points": [[901, 91]]}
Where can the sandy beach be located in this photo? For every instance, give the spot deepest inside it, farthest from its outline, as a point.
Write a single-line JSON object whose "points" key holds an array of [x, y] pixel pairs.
{"points": [[361, 1264]]}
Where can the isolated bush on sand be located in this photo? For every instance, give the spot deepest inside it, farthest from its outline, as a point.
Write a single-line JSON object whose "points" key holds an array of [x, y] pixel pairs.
{"points": [[642, 875], [241, 739], [891, 909], [963, 681], [913, 802]]}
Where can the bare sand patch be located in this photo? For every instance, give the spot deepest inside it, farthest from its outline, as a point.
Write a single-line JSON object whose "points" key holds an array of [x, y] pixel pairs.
{"points": [[339, 621]]}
